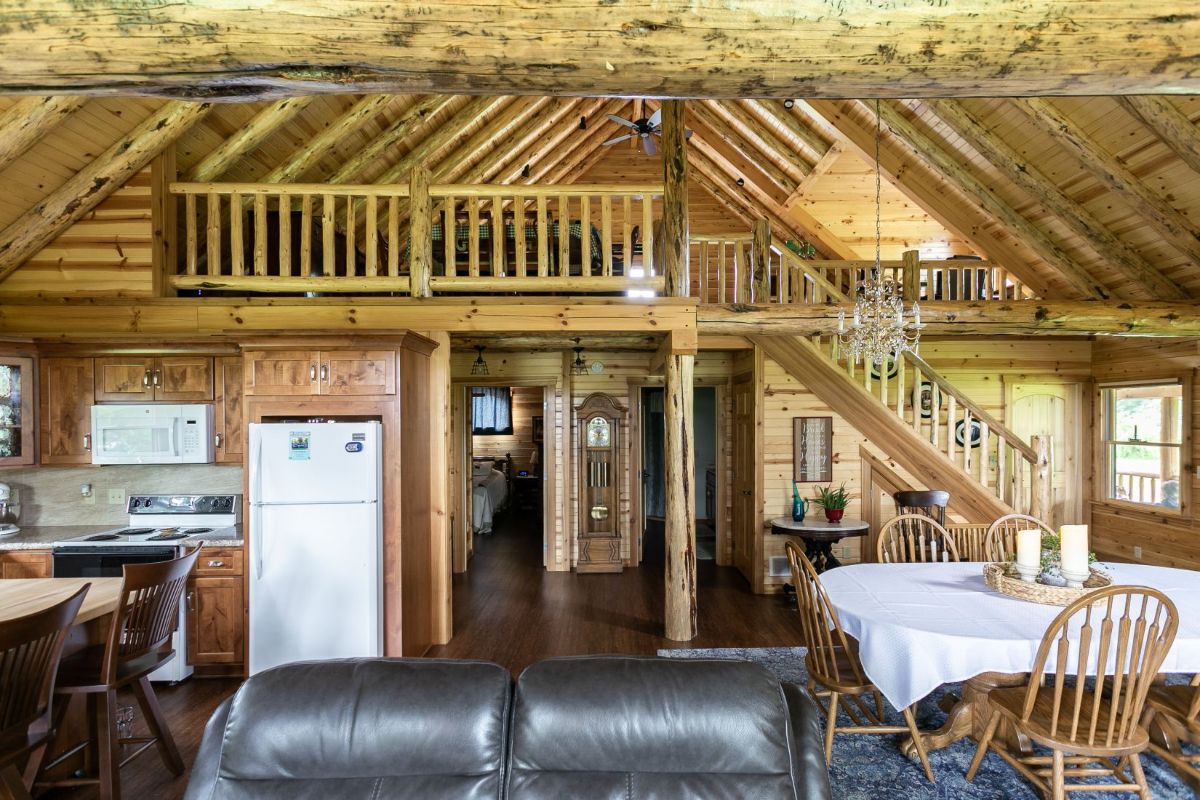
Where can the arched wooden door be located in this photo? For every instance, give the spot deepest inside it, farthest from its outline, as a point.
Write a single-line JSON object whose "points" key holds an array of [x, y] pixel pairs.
{"points": [[1053, 409]]}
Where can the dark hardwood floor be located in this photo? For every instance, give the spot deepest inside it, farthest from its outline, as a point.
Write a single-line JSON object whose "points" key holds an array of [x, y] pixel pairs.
{"points": [[509, 610]]}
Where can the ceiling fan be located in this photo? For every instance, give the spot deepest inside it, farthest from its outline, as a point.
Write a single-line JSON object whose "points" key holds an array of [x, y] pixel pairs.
{"points": [[645, 129]]}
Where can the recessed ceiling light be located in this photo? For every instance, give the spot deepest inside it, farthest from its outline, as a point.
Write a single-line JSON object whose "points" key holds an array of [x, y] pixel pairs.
{"points": [[789, 103]]}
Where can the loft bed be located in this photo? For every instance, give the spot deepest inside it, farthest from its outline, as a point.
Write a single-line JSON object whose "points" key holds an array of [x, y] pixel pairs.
{"points": [[491, 489]]}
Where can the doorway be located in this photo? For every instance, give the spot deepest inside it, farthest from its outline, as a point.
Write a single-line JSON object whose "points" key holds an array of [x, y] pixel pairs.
{"points": [[705, 481], [1044, 409]]}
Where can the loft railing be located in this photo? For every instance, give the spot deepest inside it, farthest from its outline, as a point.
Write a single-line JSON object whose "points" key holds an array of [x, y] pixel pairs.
{"points": [[721, 266]]}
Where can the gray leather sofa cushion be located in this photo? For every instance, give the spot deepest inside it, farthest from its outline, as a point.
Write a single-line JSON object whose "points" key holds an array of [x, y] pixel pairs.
{"points": [[616, 727], [359, 728]]}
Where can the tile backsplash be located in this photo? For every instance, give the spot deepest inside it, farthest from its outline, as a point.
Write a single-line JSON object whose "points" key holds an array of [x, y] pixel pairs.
{"points": [[51, 495]]}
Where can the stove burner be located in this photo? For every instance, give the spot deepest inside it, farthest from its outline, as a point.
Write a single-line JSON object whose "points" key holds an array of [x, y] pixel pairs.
{"points": [[102, 537], [130, 532], [166, 537], [192, 531]]}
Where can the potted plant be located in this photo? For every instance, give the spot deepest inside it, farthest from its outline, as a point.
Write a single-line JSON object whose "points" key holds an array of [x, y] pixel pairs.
{"points": [[834, 501]]}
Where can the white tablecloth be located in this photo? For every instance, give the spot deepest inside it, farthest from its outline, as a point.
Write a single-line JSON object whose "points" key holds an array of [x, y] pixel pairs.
{"points": [[922, 625]]}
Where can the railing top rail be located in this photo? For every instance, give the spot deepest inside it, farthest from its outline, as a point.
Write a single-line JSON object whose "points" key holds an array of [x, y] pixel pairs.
{"points": [[463, 190], [294, 189], [717, 238], [952, 263]]}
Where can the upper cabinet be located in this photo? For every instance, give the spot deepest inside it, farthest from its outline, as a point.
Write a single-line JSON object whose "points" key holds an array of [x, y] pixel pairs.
{"points": [[16, 411], [67, 394], [141, 379], [229, 428], [320, 372]]}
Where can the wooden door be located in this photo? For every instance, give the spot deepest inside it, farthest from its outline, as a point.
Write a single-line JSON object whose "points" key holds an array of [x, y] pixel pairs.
{"points": [[229, 419], [744, 470], [281, 372], [183, 379], [1043, 409], [216, 622], [358, 372], [125, 379], [67, 394]]}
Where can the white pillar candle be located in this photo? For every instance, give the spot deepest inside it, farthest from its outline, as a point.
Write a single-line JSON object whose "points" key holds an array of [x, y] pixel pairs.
{"points": [[1074, 549], [1029, 549]]}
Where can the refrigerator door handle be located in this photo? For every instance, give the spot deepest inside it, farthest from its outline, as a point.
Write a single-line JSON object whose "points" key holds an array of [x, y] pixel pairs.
{"points": [[313, 503], [256, 540]]}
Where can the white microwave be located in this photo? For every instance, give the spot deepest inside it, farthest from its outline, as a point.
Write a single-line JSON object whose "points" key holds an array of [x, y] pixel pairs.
{"points": [[152, 433]]}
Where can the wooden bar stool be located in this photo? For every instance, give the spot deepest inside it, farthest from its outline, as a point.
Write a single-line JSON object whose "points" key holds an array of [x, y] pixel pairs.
{"points": [[30, 648], [139, 642]]}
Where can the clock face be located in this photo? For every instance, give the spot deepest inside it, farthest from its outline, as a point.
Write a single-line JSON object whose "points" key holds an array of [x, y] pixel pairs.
{"points": [[598, 432], [597, 367]]}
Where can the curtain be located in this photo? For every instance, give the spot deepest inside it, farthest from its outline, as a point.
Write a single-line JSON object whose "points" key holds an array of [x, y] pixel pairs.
{"points": [[491, 411]]}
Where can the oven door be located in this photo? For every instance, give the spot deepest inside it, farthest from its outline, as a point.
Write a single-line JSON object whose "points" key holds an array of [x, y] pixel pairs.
{"points": [[82, 561]]}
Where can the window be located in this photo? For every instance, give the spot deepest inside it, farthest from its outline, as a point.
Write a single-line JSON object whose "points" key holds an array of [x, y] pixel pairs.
{"points": [[491, 411], [1143, 439]]}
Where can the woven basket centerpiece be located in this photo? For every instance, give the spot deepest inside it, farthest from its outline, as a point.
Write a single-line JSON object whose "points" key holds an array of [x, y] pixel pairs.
{"points": [[997, 576]]}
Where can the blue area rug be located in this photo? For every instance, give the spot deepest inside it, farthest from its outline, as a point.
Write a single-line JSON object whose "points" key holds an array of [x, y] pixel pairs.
{"points": [[873, 768]]}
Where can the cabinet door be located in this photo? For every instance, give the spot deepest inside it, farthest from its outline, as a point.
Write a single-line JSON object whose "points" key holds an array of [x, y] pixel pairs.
{"points": [[228, 417], [183, 379], [67, 386], [215, 621], [16, 412], [26, 564], [351, 372], [125, 379], [281, 372]]}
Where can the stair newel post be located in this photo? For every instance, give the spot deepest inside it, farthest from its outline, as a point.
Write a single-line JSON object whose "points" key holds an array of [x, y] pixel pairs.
{"points": [[674, 235], [762, 261], [420, 233], [1039, 483], [912, 276], [680, 595]]}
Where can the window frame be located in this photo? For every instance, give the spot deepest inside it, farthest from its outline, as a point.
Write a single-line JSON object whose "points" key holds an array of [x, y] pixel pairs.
{"points": [[1105, 425]]}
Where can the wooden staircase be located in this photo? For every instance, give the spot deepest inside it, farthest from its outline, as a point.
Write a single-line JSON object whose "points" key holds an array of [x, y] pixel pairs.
{"points": [[999, 475]]}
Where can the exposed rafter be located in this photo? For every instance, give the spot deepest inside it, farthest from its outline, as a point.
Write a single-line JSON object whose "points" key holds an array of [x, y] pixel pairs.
{"points": [[247, 138], [29, 119], [538, 151], [1169, 124], [713, 135], [409, 121], [777, 111], [320, 145], [766, 139], [822, 166], [1018, 169]]}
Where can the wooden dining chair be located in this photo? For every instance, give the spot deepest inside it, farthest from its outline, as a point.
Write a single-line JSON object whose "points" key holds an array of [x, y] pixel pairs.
{"points": [[931, 502], [1002, 535], [1104, 650], [30, 647], [1173, 719], [914, 538], [833, 664], [138, 643]]}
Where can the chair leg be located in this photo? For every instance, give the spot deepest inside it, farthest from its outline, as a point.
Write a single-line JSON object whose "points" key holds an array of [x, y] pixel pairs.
{"points": [[830, 727], [1058, 779], [911, 721], [158, 725], [109, 752], [1139, 777], [879, 705], [37, 757], [981, 751], [11, 785]]}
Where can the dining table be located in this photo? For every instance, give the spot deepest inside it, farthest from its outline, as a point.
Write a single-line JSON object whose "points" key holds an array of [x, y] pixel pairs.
{"points": [[920, 626]]}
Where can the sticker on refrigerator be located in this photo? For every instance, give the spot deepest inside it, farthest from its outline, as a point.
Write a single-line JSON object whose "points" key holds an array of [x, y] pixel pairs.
{"points": [[354, 447], [298, 442]]}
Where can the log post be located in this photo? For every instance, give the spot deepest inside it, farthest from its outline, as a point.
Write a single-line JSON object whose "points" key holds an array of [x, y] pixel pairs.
{"points": [[420, 232], [674, 236], [912, 275], [163, 258], [762, 261], [680, 598], [1039, 479]]}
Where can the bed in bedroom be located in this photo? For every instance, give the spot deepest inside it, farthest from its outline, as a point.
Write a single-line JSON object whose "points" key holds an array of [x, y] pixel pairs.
{"points": [[491, 481]]}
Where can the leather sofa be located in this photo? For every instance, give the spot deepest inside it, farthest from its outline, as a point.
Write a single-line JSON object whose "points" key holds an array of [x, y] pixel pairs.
{"points": [[587, 727]]}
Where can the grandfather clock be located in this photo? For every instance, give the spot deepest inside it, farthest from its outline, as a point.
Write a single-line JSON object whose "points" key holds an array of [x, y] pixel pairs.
{"points": [[600, 447]]}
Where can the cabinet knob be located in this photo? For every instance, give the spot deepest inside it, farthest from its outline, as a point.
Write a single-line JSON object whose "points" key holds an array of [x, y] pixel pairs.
{"points": [[87, 441], [216, 563]]}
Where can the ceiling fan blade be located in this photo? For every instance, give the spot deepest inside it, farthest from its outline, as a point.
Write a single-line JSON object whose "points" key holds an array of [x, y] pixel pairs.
{"points": [[648, 145], [619, 139], [655, 118], [619, 121]]}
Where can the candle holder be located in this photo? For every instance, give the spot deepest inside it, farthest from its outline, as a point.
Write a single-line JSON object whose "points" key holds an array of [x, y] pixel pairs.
{"points": [[1074, 579], [1027, 574]]}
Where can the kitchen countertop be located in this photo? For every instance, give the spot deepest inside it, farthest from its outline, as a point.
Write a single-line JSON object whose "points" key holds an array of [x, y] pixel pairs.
{"points": [[40, 537]]}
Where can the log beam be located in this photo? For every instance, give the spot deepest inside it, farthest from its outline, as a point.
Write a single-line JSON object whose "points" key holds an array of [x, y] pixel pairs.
{"points": [[89, 187], [764, 137], [714, 142], [247, 138], [718, 130], [544, 147], [420, 267], [675, 204], [805, 48], [823, 165], [29, 119], [776, 110], [1013, 165], [316, 148], [1169, 124], [403, 126], [680, 513]]}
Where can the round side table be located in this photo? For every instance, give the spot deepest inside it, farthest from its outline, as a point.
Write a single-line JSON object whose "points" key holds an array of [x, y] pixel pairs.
{"points": [[819, 537]]}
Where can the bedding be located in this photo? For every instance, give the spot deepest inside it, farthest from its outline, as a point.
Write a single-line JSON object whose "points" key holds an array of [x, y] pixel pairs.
{"points": [[488, 497]]}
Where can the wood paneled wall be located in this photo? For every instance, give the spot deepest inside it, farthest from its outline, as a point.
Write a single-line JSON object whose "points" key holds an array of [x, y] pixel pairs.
{"points": [[1165, 538]]}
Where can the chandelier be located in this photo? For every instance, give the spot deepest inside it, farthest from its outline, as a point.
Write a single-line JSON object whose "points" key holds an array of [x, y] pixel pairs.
{"points": [[880, 330]]}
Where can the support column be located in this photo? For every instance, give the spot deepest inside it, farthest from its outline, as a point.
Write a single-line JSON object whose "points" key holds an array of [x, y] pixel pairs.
{"points": [[912, 276], [420, 232], [674, 234], [762, 261], [680, 602], [1039, 484]]}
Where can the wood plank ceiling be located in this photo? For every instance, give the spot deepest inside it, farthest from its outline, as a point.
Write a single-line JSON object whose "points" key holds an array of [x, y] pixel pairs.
{"points": [[1079, 197]]}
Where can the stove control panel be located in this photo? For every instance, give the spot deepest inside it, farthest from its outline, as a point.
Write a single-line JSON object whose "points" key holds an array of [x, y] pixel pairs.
{"points": [[185, 504]]}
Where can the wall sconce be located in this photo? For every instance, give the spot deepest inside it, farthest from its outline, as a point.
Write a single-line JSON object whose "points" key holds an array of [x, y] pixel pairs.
{"points": [[480, 366]]}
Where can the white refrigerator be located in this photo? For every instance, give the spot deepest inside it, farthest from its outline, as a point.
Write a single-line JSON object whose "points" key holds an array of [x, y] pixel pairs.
{"points": [[316, 583]]}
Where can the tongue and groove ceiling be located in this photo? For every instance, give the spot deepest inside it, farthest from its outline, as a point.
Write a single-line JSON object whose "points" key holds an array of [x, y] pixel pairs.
{"points": [[1079, 197]]}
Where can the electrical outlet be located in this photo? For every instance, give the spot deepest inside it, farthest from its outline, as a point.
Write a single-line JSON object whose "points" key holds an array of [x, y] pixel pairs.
{"points": [[1137, 552], [116, 497], [88, 499]]}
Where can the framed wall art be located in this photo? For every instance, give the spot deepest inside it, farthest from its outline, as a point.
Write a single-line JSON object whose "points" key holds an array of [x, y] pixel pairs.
{"points": [[812, 449]]}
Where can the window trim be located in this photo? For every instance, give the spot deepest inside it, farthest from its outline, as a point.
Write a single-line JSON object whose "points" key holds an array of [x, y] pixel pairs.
{"points": [[1104, 443]]}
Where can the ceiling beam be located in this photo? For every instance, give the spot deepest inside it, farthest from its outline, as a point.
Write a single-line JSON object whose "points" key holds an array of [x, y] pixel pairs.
{"points": [[1174, 227], [766, 139], [405, 125], [565, 160], [89, 187], [803, 48], [29, 119], [247, 138], [776, 110], [718, 137], [498, 165], [823, 165], [1170, 124], [538, 151], [316, 148], [855, 123], [1019, 170]]}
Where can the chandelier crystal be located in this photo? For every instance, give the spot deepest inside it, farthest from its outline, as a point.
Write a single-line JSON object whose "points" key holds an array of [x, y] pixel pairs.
{"points": [[880, 329]]}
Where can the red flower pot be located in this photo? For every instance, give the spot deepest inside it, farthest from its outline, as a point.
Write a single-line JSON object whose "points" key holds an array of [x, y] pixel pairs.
{"points": [[834, 514]]}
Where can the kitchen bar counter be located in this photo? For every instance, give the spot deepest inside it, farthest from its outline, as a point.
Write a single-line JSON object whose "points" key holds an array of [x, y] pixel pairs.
{"points": [[40, 537]]}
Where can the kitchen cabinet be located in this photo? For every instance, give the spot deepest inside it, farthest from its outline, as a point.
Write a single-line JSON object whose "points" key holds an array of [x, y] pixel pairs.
{"points": [[320, 372], [216, 615], [16, 412], [229, 418], [142, 379], [26, 564], [67, 393]]}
